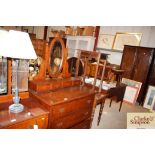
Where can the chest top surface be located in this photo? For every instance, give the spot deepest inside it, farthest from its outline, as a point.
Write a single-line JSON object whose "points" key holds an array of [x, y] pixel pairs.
{"points": [[65, 95], [32, 109]]}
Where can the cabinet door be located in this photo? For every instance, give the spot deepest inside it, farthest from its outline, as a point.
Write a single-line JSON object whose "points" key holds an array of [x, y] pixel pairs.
{"points": [[128, 61], [151, 79], [141, 69], [142, 64]]}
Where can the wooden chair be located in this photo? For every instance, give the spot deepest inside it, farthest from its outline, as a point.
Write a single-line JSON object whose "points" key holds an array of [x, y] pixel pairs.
{"points": [[86, 56]]}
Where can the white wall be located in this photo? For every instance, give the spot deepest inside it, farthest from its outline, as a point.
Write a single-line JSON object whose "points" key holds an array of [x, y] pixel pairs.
{"points": [[148, 38]]}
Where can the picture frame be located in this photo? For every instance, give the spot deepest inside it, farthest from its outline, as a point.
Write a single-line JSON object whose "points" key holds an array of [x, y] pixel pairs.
{"points": [[131, 94], [130, 82], [149, 101], [153, 104], [125, 38], [106, 41], [132, 90]]}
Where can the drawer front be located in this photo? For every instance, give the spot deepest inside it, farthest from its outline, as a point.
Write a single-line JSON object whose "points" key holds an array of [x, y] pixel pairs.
{"points": [[41, 121], [76, 82], [72, 119], [43, 87], [67, 84], [55, 85], [83, 125], [62, 110]]}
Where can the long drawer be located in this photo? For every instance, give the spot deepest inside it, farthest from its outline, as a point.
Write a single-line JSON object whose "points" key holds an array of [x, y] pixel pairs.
{"points": [[83, 125], [65, 109], [41, 121], [72, 119]]}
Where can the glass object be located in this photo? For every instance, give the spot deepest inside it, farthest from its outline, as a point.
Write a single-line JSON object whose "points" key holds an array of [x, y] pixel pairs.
{"points": [[22, 75], [3, 75], [16, 107]]}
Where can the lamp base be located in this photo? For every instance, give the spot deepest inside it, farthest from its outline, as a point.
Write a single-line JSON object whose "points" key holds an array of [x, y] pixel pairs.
{"points": [[16, 108]]}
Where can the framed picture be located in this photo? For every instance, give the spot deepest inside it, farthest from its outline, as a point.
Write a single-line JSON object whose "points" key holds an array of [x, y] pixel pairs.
{"points": [[153, 104], [122, 39], [131, 83], [105, 41], [150, 98], [131, 94], [132, 90]]}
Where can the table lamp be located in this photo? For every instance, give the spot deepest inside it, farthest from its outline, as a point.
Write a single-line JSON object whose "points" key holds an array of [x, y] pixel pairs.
{"points": [[16, 45]]}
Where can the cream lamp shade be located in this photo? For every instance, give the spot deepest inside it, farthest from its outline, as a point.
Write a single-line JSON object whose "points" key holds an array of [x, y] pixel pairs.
{"points": [[16, 44]]}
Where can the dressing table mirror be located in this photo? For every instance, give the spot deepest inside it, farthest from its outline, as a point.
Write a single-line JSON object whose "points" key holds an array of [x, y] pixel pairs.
{"points": [[3, 75], [57, 63], [56, 73]]}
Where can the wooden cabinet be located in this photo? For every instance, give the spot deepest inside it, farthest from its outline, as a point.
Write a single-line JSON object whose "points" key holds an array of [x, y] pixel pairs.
{"points": [[69, 107], [138, 65], [33, 114]]}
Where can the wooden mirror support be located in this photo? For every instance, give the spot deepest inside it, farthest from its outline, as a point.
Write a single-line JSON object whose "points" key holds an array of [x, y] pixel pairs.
{"points": [[41, 49]]}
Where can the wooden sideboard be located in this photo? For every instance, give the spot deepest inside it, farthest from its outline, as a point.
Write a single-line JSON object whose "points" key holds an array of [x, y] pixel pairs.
{"points": [[69, 107], [33, 114]]}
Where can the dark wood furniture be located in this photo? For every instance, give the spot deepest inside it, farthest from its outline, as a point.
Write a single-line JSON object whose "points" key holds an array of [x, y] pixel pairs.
{"points": [[139, 65], [115, 93], [69, 107], [118, 73], [33, 114]]}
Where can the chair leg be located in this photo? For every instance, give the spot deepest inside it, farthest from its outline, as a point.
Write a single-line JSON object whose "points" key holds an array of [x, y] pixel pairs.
{"points": [[120, 106], [110, 103], [100, 111]]}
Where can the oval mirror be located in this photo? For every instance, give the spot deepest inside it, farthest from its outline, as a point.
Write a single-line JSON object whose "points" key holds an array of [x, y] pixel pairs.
{"points": [[56, 57]]}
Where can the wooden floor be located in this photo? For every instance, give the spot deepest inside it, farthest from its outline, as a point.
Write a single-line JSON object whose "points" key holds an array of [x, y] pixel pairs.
{"points": [[112, 118]]}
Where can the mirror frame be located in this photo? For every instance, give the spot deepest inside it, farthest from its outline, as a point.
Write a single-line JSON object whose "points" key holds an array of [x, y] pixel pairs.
{"points": [[49, 56]]}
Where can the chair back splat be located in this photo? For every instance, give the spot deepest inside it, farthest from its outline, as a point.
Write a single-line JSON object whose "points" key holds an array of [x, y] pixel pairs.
{"points": [[96, 84], [86, 57]]}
